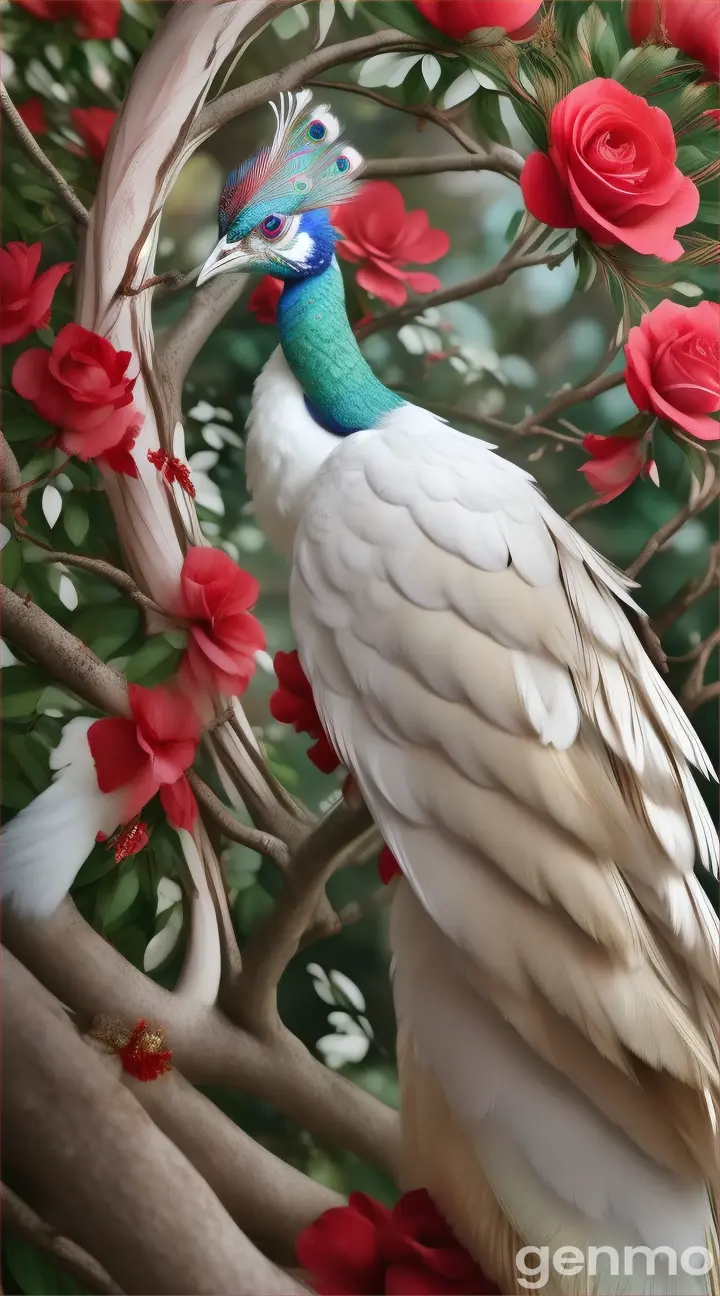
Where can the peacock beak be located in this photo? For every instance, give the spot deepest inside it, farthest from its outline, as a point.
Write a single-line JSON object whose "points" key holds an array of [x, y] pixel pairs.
{"points": [[225, 256]]}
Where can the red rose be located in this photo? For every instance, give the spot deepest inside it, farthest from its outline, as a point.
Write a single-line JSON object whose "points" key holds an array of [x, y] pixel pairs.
{"points": [[32, 113], [149, 753], [293, 703], [80, 386], [615, 463], [673, 366], [611, 171], [25, 300], [93, 19], [225, 635], [694, 28], [409, 1251], [94, 125], [380, 234], [457, 18], [263, 299], [388, 867]]}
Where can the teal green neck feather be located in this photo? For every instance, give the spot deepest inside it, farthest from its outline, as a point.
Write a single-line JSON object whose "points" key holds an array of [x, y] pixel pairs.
{"points": [[322, 352]]}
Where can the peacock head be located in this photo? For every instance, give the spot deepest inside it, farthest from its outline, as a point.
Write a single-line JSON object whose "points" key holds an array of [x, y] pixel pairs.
{"points": [[273, 214]]}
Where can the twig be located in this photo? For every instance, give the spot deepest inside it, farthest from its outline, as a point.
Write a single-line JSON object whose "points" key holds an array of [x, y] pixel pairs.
{"points": [[234, 102], [467, 288], [20, 1219], [277, 939], [355, 913], [415, 110], [499, 425], [694, 692], [571, 396], [710, 491], [33, 150], [379, 168], [62, 655], [691, 592], [113, 575], [262, 842]]}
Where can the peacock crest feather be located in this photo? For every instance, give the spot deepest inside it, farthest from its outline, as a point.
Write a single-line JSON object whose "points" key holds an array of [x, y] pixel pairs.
{"points": [[305, 167]]}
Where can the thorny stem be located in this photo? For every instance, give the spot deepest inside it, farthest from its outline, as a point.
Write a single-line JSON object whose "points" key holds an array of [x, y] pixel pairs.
{"points": [[35, 153]]}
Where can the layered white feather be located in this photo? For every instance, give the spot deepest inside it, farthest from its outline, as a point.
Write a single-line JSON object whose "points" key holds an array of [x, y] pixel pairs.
{"points": [[474, 669], [46, 844]]}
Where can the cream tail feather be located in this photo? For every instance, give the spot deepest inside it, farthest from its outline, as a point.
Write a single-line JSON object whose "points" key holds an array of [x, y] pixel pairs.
{"points": [[556, 961], [46, 844]]}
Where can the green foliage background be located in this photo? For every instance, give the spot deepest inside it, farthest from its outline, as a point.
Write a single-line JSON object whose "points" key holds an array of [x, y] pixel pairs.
{"points": [[519, 343]]}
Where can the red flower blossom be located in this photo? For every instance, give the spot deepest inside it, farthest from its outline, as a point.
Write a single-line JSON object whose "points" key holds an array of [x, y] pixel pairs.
{"points": [[409, 1251], [149, 753], [80, 386], [32, 114], [93, 19], [694, 28], [293, 703], [94, 125], [673, 366], [142, 1056], [615, 463], [388, 867], [120, 457], [457, 18], [611, 171], [224, 636], [172, 470], [24, 299], [380, 235], [263, 299]]}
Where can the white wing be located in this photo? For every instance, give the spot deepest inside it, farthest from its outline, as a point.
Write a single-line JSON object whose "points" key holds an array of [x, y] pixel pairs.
{"points": [[526, 765], [46, 844]]}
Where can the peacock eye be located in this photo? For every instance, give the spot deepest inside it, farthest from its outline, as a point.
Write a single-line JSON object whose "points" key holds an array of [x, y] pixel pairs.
{"points": [[343, 163], [273, 226], [317, 130]]}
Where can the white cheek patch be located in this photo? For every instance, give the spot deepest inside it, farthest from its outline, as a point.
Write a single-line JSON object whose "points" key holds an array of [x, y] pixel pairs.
{"points": [[300, 252]]}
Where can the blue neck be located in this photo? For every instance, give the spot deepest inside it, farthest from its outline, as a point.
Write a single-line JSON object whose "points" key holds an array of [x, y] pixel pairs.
{"points": [[340, 388]]}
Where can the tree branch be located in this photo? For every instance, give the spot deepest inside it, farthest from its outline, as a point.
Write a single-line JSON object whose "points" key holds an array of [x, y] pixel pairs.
{"points": [[277, 939], [709, 492], [570, 396], [425, 111], [65, 1097], [61, 654], [207, 1047], [262, 842], [270, 1200], [113, 575], [234, 102], [67, 195], [380, 168], [467, 288], [691, 593], [20, 1219]]}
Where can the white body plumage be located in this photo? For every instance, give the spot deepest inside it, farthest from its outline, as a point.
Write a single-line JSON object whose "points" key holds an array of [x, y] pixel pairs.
{"points": [[555, 959]]}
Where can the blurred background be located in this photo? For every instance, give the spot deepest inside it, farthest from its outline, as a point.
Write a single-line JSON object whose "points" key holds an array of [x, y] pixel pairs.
{"points": [[503, 354]]}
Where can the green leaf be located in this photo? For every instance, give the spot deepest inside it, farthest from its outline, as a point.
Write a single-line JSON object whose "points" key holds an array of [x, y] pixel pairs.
{"points": [[106, 627], [16, 793], [632, 427], [514, 224], [587, 266], [405, 18], [709, 214], [11, 563], [31, 756], [33, 1270], [76, 522], [153, 662], [485, 112], [532, 119], [117, 894], [690, 158], [22, 688], [640, 68], [567, 15], [96, 866]]}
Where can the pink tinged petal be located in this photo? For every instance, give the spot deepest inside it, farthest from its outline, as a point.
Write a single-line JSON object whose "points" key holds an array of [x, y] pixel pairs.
{"points": [[90, 442], [381, 285], [115, 750], [178, 802], [44, 289], [422, 282], [543, 193], [701, 426], [29, 372]]}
